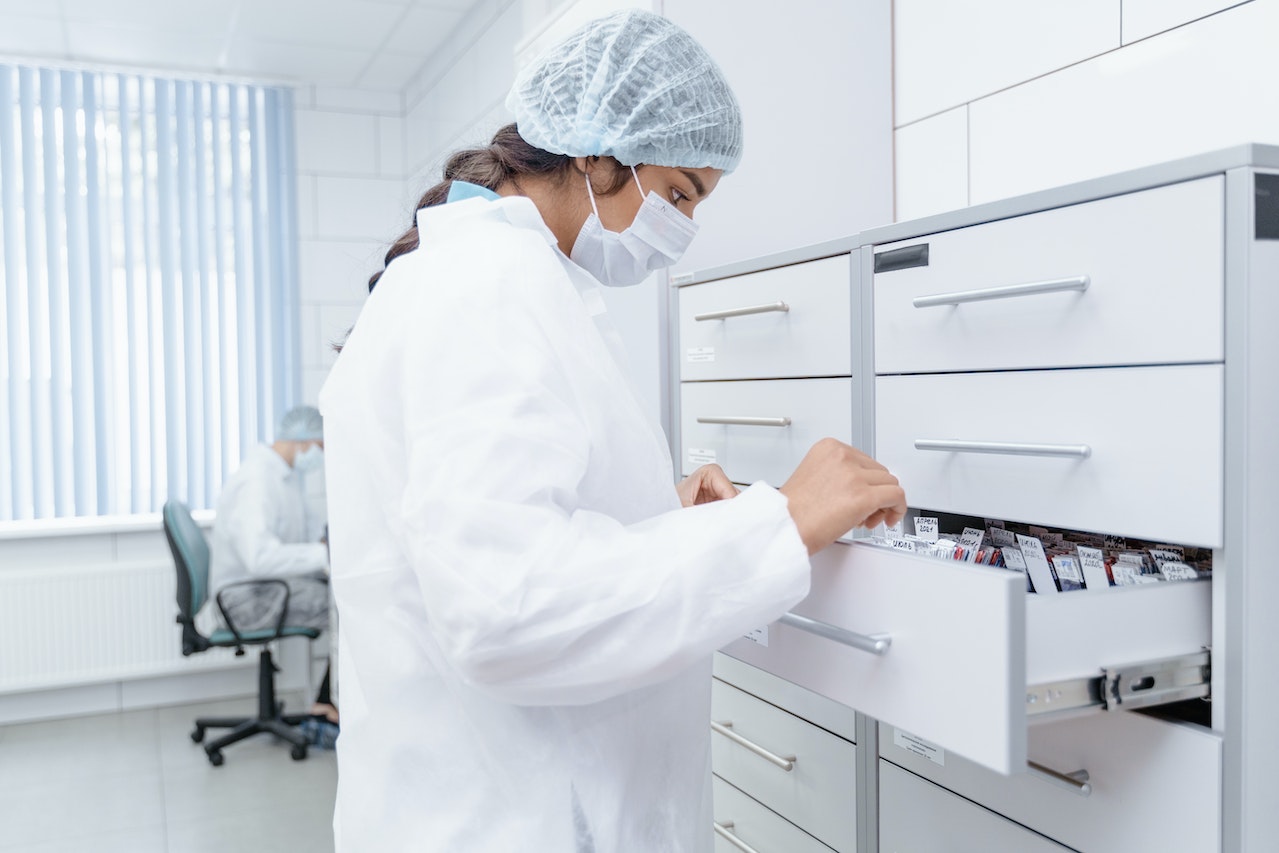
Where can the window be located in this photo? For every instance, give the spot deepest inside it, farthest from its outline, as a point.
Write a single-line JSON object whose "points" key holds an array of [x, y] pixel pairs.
{"points": [[148, 287]]}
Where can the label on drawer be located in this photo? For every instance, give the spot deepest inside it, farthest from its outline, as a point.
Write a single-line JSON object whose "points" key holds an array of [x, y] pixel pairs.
{"points": [[919, 746], [698, 456], [701, 354], [926, 528], [759, 635]]}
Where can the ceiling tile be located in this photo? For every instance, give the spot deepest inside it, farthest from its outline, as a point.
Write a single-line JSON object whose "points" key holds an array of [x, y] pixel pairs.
{"points": [[31, 36], [355, 24], [422, 31], [325, 66], [153, 48], [390, 71], [208, 16]]}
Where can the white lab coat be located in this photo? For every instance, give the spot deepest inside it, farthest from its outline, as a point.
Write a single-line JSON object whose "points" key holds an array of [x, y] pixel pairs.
{"points": [[527, 614], [263, 528]]}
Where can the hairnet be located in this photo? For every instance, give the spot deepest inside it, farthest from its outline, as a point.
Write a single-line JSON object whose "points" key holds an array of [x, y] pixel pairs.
{"points": [[301, 423], [631, 85]]}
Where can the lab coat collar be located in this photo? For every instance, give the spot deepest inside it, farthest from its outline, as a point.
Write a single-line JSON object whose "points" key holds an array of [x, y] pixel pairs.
{"points": [[516, 209]]}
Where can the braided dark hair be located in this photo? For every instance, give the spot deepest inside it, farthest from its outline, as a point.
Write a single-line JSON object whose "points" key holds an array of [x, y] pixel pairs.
{"points": [[506, 158]]}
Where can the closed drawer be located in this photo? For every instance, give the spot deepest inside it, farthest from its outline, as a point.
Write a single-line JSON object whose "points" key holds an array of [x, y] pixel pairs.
{"points": [[1153, 783], [1153, 437], [797, 323], [1154, 264], [755, 827], [916, 816], [760, 430], [966, 642], [818, 793]]}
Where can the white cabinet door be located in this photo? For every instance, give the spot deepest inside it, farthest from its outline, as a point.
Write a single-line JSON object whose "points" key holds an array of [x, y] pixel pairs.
{"points": [[1152, 436], [817, 791], [1154, 268], [787, 322], [1139, 770], [761, 430], [758, 828], [916, 816], [966, 642]]}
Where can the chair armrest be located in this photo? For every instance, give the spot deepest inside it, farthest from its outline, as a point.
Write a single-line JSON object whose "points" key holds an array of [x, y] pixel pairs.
{"points": [[279, 622]]}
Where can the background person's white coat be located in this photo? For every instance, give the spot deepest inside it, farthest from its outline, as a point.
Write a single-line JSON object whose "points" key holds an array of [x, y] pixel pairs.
{"points": [[527, 615]]}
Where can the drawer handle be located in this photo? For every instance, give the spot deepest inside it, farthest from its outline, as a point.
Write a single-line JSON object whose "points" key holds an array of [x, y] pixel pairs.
{"points": [[1076, 783], [1006, 448], [786, 762], [1057, 285], [769, 422], [768, 308], [724, 831], [876, 644]]}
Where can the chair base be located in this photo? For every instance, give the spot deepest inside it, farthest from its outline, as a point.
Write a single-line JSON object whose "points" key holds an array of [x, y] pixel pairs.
{"points": [[270, 719]]}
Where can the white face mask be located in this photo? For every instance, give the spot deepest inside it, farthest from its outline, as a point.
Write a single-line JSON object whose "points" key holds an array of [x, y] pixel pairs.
{"points": [[657, 238], [308, 460]]}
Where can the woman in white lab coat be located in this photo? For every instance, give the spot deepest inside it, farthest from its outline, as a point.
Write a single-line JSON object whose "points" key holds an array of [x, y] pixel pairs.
{"points": [[528, 601]]}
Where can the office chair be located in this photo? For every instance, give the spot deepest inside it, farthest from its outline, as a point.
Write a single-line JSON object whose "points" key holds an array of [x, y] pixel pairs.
{"points": [[191, 559]]}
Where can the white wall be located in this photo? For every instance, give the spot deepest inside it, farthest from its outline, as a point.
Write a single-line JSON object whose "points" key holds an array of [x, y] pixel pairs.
{"points": [[995, 98], [351, 204]]}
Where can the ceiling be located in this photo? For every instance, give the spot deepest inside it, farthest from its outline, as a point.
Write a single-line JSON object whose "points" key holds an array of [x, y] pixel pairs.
{"points": [[368, 44]]}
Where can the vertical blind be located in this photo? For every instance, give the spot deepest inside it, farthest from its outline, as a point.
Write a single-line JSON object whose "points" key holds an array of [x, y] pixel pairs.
{"points": [[148, 287]]}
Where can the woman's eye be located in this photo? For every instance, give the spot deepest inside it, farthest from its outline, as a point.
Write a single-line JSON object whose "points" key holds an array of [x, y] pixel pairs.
{"points": [[677, 196]]}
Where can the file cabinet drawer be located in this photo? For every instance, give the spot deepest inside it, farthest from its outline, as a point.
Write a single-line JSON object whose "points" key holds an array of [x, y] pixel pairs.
{"points": [[966, 642], [759, 828], [1144, 775], [760, 430], [1153, 437], [917, 816], [819, 791], [1154, 262], [791, 321]]}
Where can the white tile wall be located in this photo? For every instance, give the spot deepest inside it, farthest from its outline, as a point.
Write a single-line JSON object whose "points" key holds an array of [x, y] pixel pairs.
{"points": [[931, 165], [1144, 18], [338, 270], [359, 100], [33, 36], [948, 53], [391, 136], [337, 143], [1193, 89], [360, 208]]}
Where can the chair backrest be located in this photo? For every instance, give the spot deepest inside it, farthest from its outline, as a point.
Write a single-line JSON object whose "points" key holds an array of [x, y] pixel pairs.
{"points": [[191, 559]]}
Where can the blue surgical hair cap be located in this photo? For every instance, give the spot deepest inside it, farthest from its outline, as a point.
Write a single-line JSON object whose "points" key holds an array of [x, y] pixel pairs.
{"points": [[301, 423], [634, 86]]}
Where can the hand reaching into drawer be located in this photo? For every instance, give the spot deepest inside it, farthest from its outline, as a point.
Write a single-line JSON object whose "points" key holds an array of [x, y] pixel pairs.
{"points": [[836, 488]]}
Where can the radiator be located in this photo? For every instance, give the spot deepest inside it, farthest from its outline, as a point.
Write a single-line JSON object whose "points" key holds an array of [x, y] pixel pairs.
{"points": [[67, 626]]}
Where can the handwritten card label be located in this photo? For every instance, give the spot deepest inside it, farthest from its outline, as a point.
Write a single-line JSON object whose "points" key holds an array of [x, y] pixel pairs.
{"points": [[1093, 563], [926, 528]]}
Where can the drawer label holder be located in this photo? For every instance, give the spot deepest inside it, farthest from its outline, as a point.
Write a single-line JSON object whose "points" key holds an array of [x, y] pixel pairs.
{"points": [[1140, 685]]}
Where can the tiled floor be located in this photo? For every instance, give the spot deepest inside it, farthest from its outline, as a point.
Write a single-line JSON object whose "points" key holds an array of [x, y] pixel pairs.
{"points": [[135, 783]]}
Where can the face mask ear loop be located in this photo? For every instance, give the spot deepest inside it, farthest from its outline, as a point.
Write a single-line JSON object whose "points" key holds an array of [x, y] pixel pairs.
{"points": [[590, 192], [637, 183]]}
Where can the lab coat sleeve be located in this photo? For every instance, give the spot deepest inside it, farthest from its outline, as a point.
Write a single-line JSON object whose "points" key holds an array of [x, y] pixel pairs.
{"points": [[247, 521], [533, 599]]}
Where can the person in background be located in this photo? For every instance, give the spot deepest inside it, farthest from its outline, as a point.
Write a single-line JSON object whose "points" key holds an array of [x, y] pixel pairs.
{"points": [[261, 531], [529, 599]]}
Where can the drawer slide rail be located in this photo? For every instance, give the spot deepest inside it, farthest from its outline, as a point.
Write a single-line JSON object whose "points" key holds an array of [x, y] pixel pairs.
{"points": [[1141, 685]]}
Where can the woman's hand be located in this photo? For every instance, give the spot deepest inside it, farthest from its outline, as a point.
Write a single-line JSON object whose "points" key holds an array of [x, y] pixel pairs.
{"points": [[836, 488], [705, 485]]}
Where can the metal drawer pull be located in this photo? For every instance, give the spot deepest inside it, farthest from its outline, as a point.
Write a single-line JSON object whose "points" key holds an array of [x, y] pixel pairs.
{"points": [[1057, 285], [733, 421], [768, 308], [722, 830], [1076, 782], [876, 644], [1007, 448], [786, 762]]}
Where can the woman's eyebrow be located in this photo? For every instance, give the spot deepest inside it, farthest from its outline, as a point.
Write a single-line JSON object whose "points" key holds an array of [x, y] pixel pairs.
{"points": [[696, 181]]}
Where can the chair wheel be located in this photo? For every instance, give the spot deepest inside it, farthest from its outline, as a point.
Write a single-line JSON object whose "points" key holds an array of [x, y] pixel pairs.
{"points": [[298, 753], [215, 758], [197, 734]]}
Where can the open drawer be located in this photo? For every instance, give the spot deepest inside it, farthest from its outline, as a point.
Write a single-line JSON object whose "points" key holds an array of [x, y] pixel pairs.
{"points": [[967, 657]]}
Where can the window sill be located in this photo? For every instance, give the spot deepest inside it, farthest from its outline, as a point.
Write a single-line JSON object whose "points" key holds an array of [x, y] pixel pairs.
{"points": [[50, 528]]}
